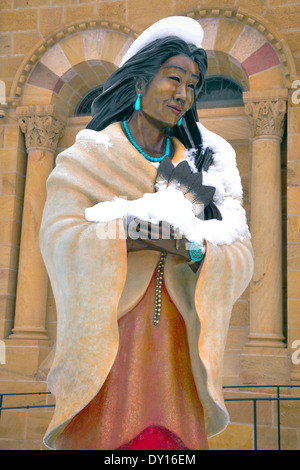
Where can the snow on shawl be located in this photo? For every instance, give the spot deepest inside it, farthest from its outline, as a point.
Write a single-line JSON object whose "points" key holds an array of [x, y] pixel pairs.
{"points": [[171, 206]]}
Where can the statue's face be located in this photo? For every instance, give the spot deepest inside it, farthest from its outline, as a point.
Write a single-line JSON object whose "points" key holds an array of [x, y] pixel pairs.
{"points": [[171, 92]]}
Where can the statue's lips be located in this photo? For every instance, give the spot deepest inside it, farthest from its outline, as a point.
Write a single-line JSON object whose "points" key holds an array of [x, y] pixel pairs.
{"points": [[176, 109]]}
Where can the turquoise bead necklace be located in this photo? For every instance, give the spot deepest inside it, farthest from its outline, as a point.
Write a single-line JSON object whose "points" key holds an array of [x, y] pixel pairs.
{"points": [[151, 159]]}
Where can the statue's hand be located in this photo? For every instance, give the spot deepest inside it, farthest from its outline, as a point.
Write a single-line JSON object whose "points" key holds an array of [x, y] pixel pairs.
{"points": [[160, 237]]}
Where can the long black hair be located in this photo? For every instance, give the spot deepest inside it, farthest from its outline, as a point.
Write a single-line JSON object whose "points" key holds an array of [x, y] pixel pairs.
{"points": [[117, 101]]}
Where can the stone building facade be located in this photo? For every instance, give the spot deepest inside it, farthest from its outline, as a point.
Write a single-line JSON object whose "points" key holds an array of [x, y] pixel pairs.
{"points": [[53, 52]]}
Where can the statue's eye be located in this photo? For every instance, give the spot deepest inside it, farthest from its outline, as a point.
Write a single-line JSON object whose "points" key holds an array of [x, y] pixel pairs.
{"points": [[173, 77]]}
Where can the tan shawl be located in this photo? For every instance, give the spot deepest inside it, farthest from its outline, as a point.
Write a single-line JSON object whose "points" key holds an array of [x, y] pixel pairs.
{"points": [[94, 281]]}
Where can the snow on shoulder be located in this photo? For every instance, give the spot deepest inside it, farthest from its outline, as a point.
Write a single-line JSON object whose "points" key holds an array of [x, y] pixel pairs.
{"points": [[86, 135]]}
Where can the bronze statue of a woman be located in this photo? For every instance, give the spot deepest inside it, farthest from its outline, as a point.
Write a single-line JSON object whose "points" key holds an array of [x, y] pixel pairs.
{"points": [[142, 322]]}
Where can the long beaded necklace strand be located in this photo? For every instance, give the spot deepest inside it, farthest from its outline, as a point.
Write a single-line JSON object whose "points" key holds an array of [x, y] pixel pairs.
{"points": [[159, 276], [151, 159]]}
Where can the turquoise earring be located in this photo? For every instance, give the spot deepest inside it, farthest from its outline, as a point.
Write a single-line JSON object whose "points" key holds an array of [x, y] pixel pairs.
{"points": [[138, 103], [179, 122]]}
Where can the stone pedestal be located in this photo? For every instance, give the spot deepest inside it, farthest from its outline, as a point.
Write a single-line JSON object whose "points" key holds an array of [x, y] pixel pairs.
{"points": [[265, 353]]}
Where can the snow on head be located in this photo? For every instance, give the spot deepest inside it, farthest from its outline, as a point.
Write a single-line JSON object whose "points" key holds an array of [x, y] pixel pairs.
{"points": [[183, 27]]}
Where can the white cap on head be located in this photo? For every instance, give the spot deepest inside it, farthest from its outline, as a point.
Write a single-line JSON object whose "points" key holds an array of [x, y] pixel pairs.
{"points": [[183, 27]]}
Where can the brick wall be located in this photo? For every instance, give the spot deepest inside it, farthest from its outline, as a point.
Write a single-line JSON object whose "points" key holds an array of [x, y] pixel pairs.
{"points": [[23, 23]]}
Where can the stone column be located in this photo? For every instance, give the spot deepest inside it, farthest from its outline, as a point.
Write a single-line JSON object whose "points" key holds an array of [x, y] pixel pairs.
{"points": [[264, 357], [42, 126]]}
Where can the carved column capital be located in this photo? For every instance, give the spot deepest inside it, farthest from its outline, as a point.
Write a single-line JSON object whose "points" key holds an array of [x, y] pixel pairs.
{"points": [[42, 126], [266, 111]]}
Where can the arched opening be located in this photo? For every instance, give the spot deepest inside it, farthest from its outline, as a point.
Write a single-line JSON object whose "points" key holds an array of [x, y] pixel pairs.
{"points": [[220, 91], [70, 62]]}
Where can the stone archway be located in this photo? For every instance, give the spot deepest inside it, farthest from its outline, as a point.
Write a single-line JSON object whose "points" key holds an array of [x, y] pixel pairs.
{"points": [[250, 41], [237, 42], [242, 36], [69, 62]]}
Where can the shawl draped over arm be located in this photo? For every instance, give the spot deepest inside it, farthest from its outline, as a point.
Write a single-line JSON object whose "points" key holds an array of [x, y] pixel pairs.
{"points": [[95, 282]]}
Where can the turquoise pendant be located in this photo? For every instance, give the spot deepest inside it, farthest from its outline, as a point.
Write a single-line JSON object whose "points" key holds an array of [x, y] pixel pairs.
{"points": [[138, 103], [195, 252]]}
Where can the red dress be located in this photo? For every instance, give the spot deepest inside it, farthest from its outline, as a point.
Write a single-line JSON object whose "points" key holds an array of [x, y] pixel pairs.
{"points": [[149, 399]]}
